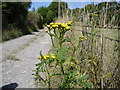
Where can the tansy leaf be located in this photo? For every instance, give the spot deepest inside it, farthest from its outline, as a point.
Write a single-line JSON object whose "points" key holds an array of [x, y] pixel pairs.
{"points": [[83, 77], [51, 34], [68, 39], [89, 83]]}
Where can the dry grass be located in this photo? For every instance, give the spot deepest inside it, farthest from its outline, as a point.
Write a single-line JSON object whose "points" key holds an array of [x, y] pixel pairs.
{"points": [[104, 49]]}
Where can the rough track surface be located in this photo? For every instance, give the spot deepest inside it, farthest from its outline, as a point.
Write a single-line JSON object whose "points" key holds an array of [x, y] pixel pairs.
{"points": [[19, 57]]}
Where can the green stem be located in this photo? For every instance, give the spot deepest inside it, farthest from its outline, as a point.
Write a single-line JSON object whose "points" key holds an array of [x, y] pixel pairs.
{"points": [[92, 41], [60, 43], [61, 39], [73, 45], [73, 51], [48, 80], [62, 70], [55, 34]]}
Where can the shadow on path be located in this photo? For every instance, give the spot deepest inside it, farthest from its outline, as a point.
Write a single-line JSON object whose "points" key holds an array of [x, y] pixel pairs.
{"points": [[10, 86]]}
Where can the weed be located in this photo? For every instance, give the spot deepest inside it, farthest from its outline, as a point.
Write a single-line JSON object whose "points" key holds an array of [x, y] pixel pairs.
{"points": [[11, 57]]}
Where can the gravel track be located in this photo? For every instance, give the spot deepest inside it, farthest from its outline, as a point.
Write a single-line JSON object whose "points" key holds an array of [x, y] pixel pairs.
{"points": [[19, 57]]}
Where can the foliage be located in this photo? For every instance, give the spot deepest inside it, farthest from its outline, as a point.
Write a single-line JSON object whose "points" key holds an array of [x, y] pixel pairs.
{"points": [[54, 7], [67, 64], [50, 16], [33, 18], [43, 12], [11, 34], [15, 19], [14, 12], [76, 66], [51, 12]]}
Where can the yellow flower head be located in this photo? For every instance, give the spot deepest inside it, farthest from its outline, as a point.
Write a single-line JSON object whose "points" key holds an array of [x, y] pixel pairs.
{"points": [[69, 23], [51, 23], [40, 57], [46, 56], [82, 38], [67, 28], [48, 26], [58, 24], [54, 26], [63, 25], [52, 55]]}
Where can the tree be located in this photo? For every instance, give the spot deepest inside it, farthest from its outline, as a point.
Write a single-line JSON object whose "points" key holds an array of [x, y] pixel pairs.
{"points": [[43, 12], [50, 16], [54, 7], [33, 17], [14, 12], [33, 9]]}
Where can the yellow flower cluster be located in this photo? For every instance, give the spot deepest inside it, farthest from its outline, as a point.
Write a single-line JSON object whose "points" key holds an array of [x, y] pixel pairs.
{"points": [[67, 28], [69, 23], [82, 38], [47, 56], [49, 27], [64, 25], [54, 26], [60, 25]]}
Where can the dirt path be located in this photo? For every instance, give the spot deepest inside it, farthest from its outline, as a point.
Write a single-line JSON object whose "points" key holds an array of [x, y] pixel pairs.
{"points": [[19, 57]]}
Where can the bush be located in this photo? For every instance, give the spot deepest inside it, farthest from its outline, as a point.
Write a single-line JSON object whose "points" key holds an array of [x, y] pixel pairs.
{"points": [[33, 18], [11, 34], [43, 12]]}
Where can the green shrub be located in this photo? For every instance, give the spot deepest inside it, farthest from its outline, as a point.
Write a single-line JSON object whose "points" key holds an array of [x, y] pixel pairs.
{"points": [[11, 34]]}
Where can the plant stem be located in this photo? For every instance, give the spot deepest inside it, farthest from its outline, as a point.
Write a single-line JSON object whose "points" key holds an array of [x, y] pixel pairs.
{"points": [[48, 80], [73, 51], [62, 70], [92, 41]]}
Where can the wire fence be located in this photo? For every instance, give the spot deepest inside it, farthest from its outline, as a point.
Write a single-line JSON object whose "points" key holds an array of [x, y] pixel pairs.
{"points": [[103, 37], [106, 45]]}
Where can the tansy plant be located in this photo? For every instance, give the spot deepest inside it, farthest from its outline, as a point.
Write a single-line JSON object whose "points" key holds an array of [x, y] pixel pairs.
{"points": [[58, 58], [44, 67], [58, 31]]}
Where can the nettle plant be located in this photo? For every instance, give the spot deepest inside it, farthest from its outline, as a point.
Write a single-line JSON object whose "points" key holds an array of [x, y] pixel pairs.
{"points": [[58, 62]]}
